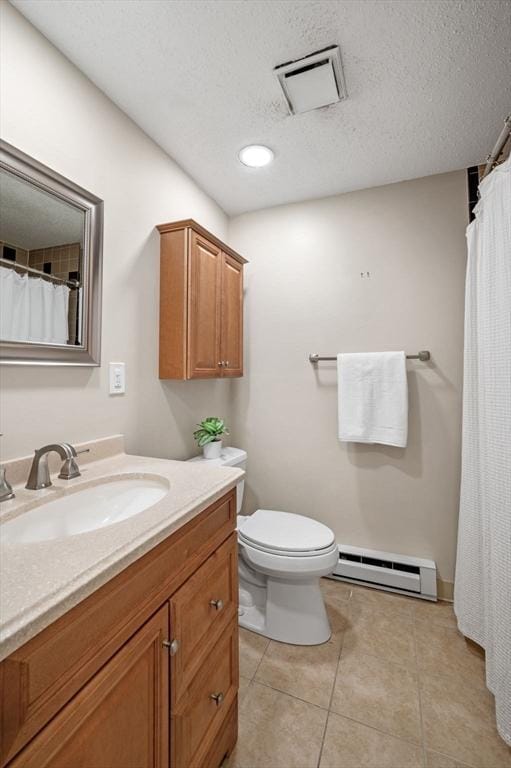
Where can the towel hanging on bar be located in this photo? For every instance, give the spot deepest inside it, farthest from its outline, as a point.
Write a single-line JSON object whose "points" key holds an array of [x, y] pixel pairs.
{"points": [[373, 398]]}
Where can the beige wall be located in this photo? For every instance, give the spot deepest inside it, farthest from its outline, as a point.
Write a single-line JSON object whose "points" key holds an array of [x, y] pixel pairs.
{"points": [[305, 294], [54, 113]]}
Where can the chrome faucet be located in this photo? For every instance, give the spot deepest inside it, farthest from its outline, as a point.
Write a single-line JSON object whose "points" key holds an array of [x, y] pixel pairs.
{"points": [[6, 491], [39, 476]]}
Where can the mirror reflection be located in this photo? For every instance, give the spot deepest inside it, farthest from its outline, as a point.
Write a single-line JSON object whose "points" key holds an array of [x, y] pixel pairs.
{"points": [[41, 265]]}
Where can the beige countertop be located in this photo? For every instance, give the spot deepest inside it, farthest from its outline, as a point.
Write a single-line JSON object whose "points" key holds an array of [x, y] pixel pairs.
{"points": [[40, 581]]}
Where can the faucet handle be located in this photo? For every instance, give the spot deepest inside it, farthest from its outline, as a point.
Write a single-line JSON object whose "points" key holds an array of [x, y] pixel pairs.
{"points": [[70, 450], [69, 469]]}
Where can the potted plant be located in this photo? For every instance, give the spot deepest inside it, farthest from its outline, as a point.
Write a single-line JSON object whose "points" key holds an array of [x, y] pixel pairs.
{"points": [[209, 436]]}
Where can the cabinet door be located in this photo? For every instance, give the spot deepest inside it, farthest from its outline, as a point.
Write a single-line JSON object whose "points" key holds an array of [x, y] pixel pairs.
{"points": [[205, 271], [120, 719], [232, 317]]}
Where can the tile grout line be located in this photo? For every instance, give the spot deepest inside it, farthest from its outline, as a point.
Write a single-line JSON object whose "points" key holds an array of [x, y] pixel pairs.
{"points": [[457, 760], [421, 721], [474, 687], [420, 744], [420, 674], [450, 755], [343, 716], [260, 661], [414, 621], [253, 681], [348, 601], [291, 695], [412, 742], [323, 739], [273, 687], [379, 730]]}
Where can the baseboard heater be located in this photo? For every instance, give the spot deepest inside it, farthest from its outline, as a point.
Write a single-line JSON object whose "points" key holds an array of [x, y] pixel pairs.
{"points": [[414, 576]]}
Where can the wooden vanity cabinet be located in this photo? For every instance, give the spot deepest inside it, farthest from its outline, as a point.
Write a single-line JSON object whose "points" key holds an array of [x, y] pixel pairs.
{"points": [[120, 718], [144, 672], [201, 304]]}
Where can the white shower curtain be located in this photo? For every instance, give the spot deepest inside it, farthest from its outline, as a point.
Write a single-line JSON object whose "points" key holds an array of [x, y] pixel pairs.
{"points": [[482, 599], [32, 309]]}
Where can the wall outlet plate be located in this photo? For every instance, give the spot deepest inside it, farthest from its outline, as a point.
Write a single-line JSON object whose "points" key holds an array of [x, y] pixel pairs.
{"points": [[117, 377]]}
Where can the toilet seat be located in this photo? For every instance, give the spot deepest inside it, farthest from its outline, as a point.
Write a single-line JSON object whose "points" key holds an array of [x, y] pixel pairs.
{"points": [[285, 534], [315, 553]]}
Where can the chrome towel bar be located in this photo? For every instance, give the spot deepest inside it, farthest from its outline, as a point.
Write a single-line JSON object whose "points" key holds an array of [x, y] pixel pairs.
{"points": [[424, 355]]}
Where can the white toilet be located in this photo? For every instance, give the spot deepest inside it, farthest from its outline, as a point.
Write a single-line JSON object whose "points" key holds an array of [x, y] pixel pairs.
{"points": [[282, 556]]}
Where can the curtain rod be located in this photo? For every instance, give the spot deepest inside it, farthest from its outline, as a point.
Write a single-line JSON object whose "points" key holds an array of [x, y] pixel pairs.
{"points": [[38, 273], [499, 146]]}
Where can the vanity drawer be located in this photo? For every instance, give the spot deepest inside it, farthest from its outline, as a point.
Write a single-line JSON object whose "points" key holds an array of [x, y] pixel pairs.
{"points": [[201, 611], [202, 712], [43, 675]]}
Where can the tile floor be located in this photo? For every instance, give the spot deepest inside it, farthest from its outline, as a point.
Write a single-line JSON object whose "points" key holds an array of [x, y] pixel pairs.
{"points": [[395, 687]]}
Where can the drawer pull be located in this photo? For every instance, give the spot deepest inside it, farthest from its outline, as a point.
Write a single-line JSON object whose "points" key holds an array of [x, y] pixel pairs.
{"points": [[172, 645], [218, 604], [217, 698]]}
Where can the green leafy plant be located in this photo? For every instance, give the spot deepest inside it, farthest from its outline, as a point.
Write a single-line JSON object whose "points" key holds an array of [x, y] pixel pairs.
{"points": [[210, 430]]}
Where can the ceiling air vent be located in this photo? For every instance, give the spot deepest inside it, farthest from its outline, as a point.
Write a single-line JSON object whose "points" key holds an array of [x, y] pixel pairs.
{"points": [[315, 81]]}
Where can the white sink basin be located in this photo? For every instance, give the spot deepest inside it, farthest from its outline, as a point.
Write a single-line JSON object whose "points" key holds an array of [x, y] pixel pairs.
{"points": [[89, 509]]}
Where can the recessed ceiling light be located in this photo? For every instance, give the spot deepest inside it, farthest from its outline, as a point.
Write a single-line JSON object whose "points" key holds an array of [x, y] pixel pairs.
{"points": [[255, 155]]}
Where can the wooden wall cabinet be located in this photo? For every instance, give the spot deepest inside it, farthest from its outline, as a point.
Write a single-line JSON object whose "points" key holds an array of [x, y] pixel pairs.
{"points": [[141, 674], [201, 304]]}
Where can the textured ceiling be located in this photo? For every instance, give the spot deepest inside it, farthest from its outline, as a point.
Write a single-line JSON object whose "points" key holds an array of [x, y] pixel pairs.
{"points": [[32, 218], [429, 84]]}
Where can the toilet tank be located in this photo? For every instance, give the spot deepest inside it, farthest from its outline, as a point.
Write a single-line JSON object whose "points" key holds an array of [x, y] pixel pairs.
{"points": [[230, 457]]}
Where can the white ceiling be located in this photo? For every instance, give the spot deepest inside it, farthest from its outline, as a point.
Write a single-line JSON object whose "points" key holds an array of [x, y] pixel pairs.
{"points": [[31, 218], [429, 85]]}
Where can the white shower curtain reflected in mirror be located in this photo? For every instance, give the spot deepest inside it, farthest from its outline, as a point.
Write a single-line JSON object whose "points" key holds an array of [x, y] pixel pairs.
{"points": [[32, 309], [482, 599]]}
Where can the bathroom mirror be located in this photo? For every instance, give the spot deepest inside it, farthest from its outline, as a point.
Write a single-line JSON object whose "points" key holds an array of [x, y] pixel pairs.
{"points": [[51, 234]]}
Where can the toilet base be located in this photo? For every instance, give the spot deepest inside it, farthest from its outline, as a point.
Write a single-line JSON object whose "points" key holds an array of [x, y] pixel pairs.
{"points": [[253, 619], [291, 612]]}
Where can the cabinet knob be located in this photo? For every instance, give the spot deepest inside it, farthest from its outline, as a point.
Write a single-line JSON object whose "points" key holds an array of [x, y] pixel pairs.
{"points": [[220, 363], [226, 363], [217, 698], [172, 645], [218, 604]]}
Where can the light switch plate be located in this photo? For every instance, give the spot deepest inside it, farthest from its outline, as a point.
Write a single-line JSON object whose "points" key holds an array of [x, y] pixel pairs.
{"points": [[117, 372]]}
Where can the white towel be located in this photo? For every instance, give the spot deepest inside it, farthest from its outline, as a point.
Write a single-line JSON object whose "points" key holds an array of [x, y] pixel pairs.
{"points": [[373, 398]]}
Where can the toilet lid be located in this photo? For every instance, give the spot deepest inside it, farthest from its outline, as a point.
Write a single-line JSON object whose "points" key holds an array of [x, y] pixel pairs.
{"points": [[285, 532]]}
